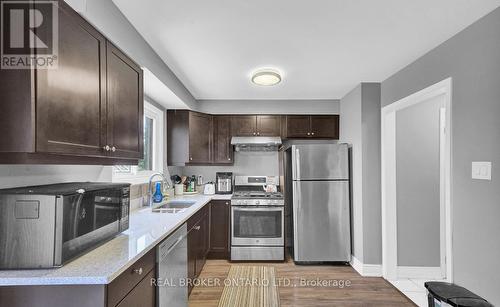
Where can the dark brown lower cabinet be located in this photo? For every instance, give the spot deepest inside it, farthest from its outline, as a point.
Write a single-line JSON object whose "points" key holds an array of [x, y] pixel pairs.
{"points": [[133, 288], [219, 229], [144, 294], [198, 242], [128, 280]]}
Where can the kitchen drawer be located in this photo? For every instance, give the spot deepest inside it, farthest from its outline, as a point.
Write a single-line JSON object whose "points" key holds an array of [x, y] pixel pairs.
{"points": [[144, 295], [124, 283]]}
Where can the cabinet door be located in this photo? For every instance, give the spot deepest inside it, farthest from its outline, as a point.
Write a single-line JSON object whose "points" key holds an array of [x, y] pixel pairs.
{"points": [[222, 149], [268, 125], [143, 295], [219, 229], [244, 125], [298, 126], [71, 98], [325, 126], [125, 105], [203, 243], [192, 252], [200, 138]]}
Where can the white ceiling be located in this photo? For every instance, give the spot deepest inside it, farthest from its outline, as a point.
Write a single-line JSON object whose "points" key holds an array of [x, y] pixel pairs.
{"points": [[323, 47]]}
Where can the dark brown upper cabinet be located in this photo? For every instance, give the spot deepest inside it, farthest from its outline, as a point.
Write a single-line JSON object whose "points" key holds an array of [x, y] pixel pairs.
{"points": [[298, 126], [325, 126], [244, 125], [189, 137], [125, 105], [88, 110], [256, 125], [269, 125], [222, 148], [71, 98], [312, 126]]}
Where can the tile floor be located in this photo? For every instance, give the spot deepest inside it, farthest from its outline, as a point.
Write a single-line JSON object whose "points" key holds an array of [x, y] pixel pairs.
{"points": [[413, 288]]}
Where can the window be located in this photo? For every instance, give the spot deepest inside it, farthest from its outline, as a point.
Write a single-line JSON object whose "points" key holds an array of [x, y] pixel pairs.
{"points": [[153, 149]]}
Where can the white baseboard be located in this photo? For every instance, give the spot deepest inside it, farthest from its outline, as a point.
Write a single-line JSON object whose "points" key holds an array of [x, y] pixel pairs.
{"points": [[419, 272], [367, 270]]}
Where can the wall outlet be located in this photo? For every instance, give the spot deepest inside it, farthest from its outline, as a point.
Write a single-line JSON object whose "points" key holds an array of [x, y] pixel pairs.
{"points": [[481, 170]]}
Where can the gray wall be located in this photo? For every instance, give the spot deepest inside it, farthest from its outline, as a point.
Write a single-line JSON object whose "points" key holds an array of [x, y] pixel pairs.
{"points": [[472, 59], [360, 127], [245, 163], [350, 132], [26, 175], [106, 17], [370, 128], [269, 106], [417, 182]]}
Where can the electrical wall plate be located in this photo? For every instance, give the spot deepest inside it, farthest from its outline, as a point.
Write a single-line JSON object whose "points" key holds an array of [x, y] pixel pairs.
{"points": [[481, 170]]}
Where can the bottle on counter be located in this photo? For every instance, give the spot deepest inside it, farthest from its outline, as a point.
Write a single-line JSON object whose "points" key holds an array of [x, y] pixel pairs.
{"points": [[158, 195], [193, 183]]}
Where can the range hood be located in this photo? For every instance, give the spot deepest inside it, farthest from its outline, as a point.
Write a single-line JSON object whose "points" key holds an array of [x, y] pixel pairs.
{"points": [[256, 143]]}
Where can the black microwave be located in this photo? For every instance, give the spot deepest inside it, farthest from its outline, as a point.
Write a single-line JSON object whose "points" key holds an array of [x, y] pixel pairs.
{"points": [[46, 226]]}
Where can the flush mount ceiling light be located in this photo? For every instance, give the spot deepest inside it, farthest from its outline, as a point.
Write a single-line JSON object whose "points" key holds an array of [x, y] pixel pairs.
{"points": [[266, 77]]}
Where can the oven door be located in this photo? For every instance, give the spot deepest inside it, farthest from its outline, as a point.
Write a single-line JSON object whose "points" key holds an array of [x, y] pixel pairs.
{"points": [[257, 226]]}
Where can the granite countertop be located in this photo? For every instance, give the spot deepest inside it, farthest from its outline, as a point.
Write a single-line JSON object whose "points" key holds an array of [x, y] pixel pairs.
{"points": [[108, 261]]}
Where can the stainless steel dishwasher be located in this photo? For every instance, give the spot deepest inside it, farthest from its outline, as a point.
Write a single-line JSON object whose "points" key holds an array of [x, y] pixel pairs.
{"points": [[171, 255]]}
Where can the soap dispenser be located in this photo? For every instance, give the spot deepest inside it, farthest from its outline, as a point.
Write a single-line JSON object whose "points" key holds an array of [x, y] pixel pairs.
{"points": [[158, 196]]}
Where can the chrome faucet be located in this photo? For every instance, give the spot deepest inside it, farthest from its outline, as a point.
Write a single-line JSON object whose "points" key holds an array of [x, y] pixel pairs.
{"points": [[150, 193]]}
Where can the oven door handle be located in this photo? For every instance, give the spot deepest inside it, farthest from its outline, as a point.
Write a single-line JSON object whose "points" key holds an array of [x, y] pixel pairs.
{"points": [[258, 208]]}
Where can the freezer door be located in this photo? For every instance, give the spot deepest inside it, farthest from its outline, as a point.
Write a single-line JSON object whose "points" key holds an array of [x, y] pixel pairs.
{"points": [[320, 162], [321, 221]]}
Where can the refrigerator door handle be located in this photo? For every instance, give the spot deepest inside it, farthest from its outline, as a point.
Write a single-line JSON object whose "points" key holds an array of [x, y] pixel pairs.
{"points": [[297, 164], [296, 212]]}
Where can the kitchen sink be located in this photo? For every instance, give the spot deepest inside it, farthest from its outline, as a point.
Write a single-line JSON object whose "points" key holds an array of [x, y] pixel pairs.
{"points": [[175, 206]]}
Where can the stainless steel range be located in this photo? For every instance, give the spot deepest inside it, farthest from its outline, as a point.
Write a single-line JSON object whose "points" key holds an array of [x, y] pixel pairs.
{"points": [[257, 219]]}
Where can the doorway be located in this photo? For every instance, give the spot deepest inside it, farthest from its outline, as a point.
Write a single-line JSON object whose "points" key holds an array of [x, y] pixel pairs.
{"points": [[416, 174]]}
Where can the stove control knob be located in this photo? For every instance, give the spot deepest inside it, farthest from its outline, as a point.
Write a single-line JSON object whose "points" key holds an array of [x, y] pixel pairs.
{"points": [[245, 202], [257, 202]]}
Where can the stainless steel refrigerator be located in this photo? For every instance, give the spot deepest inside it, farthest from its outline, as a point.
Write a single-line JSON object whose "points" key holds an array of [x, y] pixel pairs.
{"points": [[317, 193]]}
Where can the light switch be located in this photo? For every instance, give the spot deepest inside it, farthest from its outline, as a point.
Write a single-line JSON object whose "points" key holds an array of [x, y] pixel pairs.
{"points": [[481, 170]]}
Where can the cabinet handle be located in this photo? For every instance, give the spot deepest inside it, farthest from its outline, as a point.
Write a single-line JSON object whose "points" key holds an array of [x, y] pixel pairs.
{"points": [[308, 133], [229, 159], [197, 227], [138, 271], [113, 149], [312, 133], [254, 133], [106, 148], [191, 159], [258, 133]]}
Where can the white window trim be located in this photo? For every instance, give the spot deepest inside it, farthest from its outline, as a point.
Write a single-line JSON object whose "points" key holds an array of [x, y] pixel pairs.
{"points": [[138, 177]]}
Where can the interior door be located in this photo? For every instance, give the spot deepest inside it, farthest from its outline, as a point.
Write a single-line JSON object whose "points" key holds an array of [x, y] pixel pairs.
{"points": [[268, 125], [321, 221], [125, 105], [71, 98]]}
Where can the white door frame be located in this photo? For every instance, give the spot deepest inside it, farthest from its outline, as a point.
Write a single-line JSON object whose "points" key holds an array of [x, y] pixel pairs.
{"points": [[389, 214]]}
